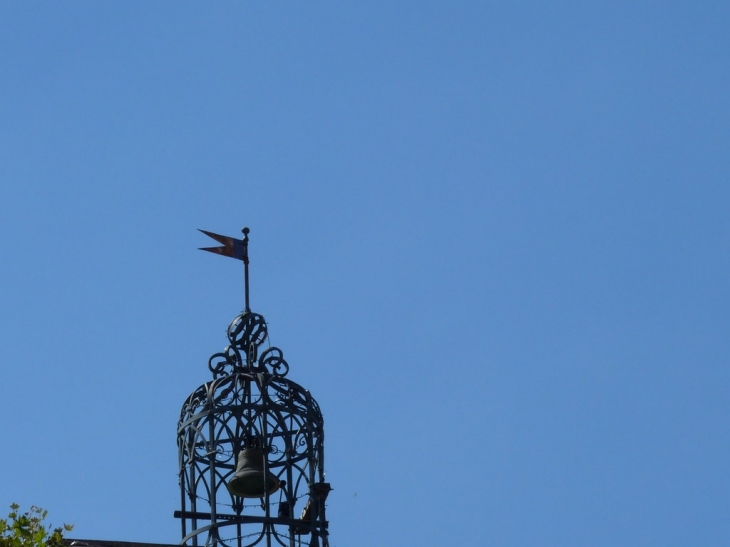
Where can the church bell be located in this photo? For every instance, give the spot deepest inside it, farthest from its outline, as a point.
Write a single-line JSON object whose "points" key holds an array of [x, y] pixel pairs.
{"points": [[249, 480]]}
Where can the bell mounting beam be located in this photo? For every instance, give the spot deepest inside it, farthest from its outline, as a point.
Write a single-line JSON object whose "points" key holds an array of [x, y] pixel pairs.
{"points": [[233, 248]]}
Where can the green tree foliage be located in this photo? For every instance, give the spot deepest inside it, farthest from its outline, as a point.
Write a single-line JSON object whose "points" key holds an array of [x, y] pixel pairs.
{"points": [[27, 529]]}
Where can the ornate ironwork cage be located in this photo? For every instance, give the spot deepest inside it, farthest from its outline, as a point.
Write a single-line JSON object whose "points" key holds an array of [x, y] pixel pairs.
{"points": [[251, 404]]}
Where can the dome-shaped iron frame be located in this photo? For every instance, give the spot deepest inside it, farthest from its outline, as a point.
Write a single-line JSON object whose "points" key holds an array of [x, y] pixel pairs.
{"points": [[250, 403]]}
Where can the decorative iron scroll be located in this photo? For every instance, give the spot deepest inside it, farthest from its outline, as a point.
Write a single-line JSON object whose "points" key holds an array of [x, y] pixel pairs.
{"points": [[246, 333], [250, 400]]}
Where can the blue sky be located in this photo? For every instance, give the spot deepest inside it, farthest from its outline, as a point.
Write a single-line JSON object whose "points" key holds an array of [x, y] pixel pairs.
{"points": [[490, 237]]}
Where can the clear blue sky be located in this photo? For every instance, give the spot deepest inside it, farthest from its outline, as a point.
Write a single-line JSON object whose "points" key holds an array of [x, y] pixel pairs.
{"points": [[490, 237]]}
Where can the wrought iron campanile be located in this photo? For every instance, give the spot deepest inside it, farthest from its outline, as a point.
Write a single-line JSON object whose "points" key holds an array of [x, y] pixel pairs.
{"points": [[251, 444]]}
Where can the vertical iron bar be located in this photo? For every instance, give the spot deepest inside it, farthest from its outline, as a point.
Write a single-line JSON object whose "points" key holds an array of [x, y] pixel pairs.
{"points": [[290, 439], [182, 475], [213, 479], [245, 265], [266, 443], [194, 498]]}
